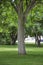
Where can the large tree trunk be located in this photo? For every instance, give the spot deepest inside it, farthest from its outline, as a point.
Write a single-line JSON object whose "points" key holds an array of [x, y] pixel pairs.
{"points": [[21, 45]]}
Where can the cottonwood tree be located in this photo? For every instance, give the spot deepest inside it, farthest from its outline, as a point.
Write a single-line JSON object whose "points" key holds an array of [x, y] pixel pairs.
{"points": [[22, 8]]}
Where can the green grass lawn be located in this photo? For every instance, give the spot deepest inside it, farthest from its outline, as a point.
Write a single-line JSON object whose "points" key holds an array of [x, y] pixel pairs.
{"points": [[9, 55]]}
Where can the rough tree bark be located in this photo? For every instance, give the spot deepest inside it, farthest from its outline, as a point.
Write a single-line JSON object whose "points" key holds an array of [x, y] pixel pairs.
{"points": [[21, 22], [21, 45]]}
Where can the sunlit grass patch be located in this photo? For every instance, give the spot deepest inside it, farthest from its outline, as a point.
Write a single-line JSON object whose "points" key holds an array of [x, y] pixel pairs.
{"points": [[9, 55]]}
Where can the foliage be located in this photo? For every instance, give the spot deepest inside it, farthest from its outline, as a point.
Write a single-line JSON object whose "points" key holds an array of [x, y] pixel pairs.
{"points": [[9, 15], [8, 19], [34, 22]]}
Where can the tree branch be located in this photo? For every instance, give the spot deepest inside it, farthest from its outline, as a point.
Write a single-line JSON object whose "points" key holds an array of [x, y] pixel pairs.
{"points": [[29, 7], [27, 2], [20, 5], [15, 7]]}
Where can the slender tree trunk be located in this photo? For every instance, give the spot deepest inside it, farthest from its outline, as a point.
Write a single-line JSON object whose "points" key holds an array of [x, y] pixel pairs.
{"points": [[39, 38], [13, 38], [36, 39], [21, 45]]}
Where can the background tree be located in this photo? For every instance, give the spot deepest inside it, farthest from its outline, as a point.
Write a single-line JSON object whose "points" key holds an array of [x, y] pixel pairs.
{"points": [[34, 27], [8, 19]]}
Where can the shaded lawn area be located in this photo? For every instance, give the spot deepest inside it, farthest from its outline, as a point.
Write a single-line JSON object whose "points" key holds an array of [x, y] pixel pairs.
{"points": [[9, 55]]}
